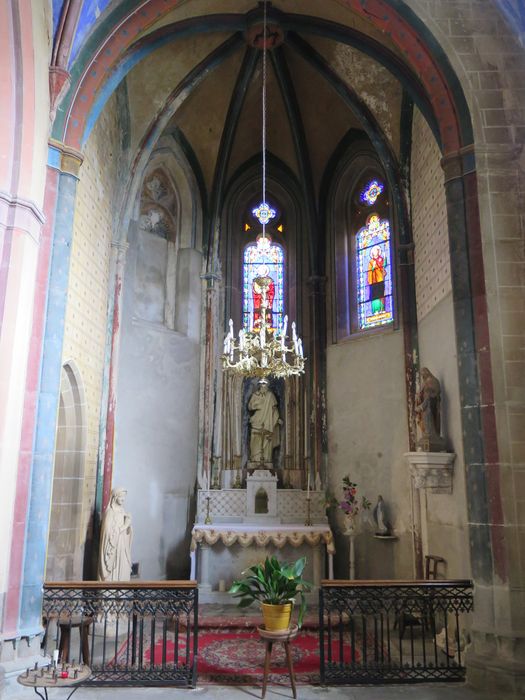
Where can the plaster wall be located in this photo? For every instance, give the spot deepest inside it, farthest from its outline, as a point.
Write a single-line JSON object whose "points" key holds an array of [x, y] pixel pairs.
{"points": [[446, 532], [86, 313], [157, 414], [447, 526], [367, 437]]}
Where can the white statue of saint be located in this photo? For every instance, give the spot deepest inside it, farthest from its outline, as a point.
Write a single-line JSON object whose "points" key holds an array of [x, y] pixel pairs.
{"points": [[264, 422], [115, 540], [380, 517]]}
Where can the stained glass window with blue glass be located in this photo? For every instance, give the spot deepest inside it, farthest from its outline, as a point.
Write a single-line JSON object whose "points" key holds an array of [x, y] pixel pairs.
{"points": [[371, 192], [374, 274], [263, 267]]}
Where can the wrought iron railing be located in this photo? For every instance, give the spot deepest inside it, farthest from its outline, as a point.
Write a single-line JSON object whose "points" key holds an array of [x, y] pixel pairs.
{"points": [[393, 632], [126, 633]]}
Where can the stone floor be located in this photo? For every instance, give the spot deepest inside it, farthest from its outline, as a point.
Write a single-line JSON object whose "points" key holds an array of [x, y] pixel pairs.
{"points": [[400, 692]]}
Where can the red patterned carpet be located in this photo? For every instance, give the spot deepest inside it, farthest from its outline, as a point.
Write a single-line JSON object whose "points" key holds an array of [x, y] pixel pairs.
{"points": [[235, 656]]}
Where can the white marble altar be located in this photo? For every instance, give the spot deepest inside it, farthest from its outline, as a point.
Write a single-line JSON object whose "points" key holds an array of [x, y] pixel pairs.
{"points": [[254, 540], [239, 535]]}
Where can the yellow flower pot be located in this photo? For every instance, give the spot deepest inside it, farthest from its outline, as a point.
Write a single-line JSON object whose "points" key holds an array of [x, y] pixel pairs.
{"points": [[276, 617]]}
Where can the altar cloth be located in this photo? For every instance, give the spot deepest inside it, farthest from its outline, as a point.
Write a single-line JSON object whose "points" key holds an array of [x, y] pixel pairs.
{"points": [[248, 535]]}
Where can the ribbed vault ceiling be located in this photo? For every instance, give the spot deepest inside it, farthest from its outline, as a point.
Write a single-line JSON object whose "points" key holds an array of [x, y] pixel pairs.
{"points": [[306, 110]]}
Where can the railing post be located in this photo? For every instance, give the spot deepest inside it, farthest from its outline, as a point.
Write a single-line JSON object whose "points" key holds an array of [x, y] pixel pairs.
{"points": [[321, 636]]}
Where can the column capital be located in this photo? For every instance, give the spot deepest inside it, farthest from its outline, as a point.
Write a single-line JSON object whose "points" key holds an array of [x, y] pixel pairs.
{"points": [[64, 158], [459, 163], [498, 158], [21, 214], [120, 246], [211, 277]]}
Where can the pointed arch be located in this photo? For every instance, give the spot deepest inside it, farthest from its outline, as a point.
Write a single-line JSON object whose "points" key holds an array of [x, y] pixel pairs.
{"points": [[66, 540]]}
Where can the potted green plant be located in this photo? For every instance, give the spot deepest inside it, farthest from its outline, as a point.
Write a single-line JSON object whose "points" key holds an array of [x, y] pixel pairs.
{"points": [[276, 585]]}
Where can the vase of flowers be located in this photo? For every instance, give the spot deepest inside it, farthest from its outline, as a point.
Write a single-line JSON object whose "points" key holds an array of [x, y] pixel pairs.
{"points": [[276, 585], [351, 505]]}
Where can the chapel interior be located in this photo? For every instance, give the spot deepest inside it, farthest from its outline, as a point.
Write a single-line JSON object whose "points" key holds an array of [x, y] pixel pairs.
{"points": [[137, 149]]}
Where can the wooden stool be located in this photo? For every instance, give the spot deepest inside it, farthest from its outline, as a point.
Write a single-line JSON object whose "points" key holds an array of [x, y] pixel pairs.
{"points": [[64, 644], [285, 637]]}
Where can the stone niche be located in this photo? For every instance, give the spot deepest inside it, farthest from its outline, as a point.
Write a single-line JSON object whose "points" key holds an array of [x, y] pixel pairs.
{"points": [[261, 496]]}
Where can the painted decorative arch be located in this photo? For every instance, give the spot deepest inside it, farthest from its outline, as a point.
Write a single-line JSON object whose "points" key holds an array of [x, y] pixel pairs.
{"points": [[118, 43]]}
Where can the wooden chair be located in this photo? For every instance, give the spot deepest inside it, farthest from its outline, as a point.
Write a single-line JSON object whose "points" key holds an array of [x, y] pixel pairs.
{"points": [[427, 617], [432, 563]]}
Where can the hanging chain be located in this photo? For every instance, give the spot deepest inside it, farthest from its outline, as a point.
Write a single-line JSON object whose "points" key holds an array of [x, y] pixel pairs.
{"points": [[264, 118]]}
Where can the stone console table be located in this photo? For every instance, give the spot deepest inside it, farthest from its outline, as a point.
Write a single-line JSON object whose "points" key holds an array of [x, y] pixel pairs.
{"points": [[204, 537]]}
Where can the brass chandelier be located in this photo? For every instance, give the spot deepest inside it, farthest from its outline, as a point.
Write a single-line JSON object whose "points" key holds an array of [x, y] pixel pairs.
{"points": [[263, 351]]}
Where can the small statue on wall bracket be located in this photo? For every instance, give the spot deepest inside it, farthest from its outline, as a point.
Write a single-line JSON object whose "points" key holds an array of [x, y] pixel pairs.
{"points": [[382, 523], [428, 409]]}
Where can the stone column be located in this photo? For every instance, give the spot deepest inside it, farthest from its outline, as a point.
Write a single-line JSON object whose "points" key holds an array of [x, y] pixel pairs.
{"points": [[496, 658], [209, 348], [20, 239], [318, 441], [42, 465], [109, 393], [107, 436]]}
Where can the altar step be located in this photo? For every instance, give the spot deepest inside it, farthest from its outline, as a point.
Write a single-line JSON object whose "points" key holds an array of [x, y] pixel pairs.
{"points": [[228, 615]]}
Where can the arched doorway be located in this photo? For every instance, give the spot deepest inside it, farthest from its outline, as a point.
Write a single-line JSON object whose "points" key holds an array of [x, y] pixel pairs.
{"points": [[65, 544]]}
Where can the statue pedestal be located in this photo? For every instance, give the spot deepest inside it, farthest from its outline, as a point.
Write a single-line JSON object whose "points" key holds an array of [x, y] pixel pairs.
{"points": [[432, 470]]}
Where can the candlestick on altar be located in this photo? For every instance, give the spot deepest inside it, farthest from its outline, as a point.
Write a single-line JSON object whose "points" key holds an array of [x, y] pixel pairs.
{"points": [[307, 466], [207, 519], [237, 466], [216, 472], [308, 520]]}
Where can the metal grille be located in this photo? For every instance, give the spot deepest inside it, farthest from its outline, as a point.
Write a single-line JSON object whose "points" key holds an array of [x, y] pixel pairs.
{"points": [[128, 634], [387, 632]]}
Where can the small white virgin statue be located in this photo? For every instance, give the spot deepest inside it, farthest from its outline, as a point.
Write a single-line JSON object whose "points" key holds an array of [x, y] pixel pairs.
{"points": [[115, 540], [380, 517]]}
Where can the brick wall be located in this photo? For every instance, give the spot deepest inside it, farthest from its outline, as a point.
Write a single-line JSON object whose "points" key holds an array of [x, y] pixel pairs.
{"points": [[429, 219], [86, 314]]}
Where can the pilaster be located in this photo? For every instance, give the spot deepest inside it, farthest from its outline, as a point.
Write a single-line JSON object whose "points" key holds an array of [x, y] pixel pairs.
{"points": [[68, 162], [496, 657], [21, 224]]}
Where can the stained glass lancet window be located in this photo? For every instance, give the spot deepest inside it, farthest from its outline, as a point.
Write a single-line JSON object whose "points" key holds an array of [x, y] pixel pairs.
{"points": [[371, 192], [263, 266], [374, 274]]}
